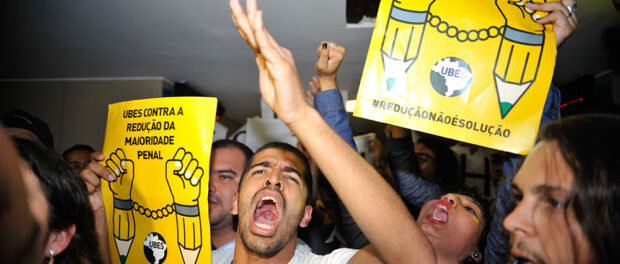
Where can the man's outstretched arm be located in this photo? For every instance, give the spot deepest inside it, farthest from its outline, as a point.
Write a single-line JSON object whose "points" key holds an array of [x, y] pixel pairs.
{"points": [[373, 204]]}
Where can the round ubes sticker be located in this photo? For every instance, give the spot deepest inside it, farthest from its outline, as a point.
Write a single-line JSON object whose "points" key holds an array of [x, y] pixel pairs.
{"points": [[155, 248], [451, 76]]}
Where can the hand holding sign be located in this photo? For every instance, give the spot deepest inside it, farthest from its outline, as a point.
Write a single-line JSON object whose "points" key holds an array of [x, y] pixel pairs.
{"points": [[183, 176]]}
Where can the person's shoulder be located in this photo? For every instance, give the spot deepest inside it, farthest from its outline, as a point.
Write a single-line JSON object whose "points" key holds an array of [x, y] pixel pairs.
{"points": [[223, 255], [342, 255]]}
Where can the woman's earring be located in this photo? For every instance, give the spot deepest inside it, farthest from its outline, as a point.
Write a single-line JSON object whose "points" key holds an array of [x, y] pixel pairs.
{"points": [[476, 256], [51, 256]]}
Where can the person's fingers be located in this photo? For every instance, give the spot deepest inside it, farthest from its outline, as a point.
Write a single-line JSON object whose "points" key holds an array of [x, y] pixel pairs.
{"points": [[323, 54], [91, 179], [563, 26], [251, 6], [314, 85], [337, 53], [283, 52], [100, 171], [97, 156], [270, 53], [548, 7], [240, 19], [310, 96]]}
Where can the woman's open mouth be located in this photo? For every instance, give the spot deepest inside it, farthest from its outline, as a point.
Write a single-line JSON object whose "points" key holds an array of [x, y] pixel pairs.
{"points": [[440, 212]]}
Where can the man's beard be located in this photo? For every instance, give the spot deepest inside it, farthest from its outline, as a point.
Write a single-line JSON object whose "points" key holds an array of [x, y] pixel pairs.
{"points": [[265, 248], [216, 219]]}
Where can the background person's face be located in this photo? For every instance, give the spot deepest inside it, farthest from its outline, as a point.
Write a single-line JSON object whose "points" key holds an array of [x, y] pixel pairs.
{"points": [[426, 159], [543, 228], [271, 202], [78, 159], [452, 225], [225, 171]]}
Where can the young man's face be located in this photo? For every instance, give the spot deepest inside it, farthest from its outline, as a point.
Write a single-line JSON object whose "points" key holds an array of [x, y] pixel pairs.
{"points": [[226, 167], [271, 202], [543, 228], [453, 225]]}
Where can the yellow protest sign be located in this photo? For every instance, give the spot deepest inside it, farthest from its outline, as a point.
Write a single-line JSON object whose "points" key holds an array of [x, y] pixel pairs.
{"points": [[475, 71], [157, 209]]}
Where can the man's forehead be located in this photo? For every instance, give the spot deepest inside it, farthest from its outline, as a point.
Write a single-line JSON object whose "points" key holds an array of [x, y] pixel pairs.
{"points": [[545, 168], [279, 158], [227, 157]]}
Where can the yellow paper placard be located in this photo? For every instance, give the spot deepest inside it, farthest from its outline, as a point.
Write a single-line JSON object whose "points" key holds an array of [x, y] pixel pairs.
{"points": [[157, 209], [475, 71]]}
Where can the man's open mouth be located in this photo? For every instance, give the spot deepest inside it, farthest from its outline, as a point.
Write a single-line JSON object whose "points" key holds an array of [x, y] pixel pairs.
{"points": [[440, 212], [266, 214]]}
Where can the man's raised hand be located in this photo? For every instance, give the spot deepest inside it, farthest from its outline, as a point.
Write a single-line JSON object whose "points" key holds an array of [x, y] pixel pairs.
{"points": [[279, 81]]}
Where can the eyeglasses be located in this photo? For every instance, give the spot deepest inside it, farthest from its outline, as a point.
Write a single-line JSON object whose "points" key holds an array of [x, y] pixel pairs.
{"points": [[424, 158]]}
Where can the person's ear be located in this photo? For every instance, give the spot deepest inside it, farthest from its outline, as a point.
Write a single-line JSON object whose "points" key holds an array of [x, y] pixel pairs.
{"points": [[235, 204], [476, 255], [307, 216], [59, 240]]}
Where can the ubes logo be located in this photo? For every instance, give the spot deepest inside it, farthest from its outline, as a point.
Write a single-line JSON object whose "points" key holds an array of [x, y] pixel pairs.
{"points": [[155, 248], [451, 76]]}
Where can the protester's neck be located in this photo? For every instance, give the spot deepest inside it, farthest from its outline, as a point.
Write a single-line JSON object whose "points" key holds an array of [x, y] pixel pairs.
{"points": [[445, 260], [223, 235], [244, 255]]}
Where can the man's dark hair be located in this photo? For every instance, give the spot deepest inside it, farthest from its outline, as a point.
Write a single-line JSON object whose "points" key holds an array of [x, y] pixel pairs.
{"points": [[67, 198], [590, 144], [75, 148], [20, 119], [228, 143], [307, 177]]}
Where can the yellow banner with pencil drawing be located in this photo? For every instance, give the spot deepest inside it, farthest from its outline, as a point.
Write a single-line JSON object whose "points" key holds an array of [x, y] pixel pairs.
{"points": [[157, 209], [475, 71]]}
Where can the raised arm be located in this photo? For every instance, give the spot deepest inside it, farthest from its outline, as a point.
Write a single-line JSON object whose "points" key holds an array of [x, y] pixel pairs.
{"points": [[328, 101], [405, 169], [327, 98], [372, 203]]}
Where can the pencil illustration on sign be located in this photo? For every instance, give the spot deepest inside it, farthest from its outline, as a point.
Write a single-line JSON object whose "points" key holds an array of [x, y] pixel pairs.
{"points": [[183, 176], [401, 43], [519, 54], [124, 222]]}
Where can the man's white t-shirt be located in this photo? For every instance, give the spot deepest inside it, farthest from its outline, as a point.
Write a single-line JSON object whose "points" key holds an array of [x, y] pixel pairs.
{"points": [[225, 255]]}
